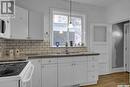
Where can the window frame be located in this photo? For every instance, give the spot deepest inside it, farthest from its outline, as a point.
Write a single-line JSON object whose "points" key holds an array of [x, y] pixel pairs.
{"points": [[66, 13]]}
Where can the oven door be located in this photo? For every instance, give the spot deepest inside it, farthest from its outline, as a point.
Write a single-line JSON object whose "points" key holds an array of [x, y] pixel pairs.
{"points": [[26, 81]]}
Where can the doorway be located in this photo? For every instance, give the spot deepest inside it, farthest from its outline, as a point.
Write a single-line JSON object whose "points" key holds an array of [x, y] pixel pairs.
{"points": [[120, 46]]}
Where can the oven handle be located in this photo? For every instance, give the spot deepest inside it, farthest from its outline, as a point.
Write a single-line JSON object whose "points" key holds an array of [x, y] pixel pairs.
{"points": [[30, 73]]}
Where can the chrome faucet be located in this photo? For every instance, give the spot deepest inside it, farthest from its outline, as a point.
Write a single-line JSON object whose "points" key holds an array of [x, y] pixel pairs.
{"points": [[66, 48]]}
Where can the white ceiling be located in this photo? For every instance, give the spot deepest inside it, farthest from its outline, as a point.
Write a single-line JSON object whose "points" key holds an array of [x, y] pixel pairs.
{"points": [[98, 2]]}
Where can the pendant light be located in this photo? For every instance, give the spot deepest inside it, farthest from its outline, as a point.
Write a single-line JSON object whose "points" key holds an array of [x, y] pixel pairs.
{"points": [[70, 21]]}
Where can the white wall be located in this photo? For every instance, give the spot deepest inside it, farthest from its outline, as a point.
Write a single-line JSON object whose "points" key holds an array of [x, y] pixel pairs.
{"points": [[93, 14], [118, 11]]}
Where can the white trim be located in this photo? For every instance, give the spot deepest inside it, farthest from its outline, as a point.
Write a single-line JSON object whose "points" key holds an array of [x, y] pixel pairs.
{"points": [[66, 12], [122, 68], [114, 70]]}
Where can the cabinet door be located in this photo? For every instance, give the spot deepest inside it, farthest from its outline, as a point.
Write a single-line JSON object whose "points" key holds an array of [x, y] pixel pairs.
{"points": [[35, 26], [19, 24], [49, 75], [36, 78], [80, 72], [65, 75], [92, 77]]}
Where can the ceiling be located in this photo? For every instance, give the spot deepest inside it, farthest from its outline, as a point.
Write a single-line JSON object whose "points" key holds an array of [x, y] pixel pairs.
{"points": [[98, 2]]}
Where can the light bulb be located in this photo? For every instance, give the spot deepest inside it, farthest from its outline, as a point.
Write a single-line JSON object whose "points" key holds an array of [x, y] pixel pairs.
{"points": [[61, 32], [70, 25]]}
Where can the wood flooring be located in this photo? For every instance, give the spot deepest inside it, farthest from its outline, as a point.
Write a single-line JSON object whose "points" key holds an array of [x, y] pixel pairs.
{"points": [[112, 80]]}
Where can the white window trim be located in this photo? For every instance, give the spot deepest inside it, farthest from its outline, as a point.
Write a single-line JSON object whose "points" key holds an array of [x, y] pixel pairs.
{"points": [[66, 12]]}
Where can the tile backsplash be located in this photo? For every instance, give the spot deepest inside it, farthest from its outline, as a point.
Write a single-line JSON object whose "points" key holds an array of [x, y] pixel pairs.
{"points": [[35, 47]]}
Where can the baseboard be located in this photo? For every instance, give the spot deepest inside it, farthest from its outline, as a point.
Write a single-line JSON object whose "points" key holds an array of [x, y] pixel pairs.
{"points": [[114, 70]]}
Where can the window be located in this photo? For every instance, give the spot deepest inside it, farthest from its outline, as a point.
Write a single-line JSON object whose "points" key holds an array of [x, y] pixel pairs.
{"points": [[61, 33]]}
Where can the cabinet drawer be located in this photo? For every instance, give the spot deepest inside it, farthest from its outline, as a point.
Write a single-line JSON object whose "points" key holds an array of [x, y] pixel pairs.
{"points": [[92, 66], [65, 60], [80, 59], [92, 76], [91, 58], [49, 61]]}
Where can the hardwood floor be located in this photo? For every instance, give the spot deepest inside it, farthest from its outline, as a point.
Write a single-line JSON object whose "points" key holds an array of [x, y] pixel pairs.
{"points": [[112, 80]]}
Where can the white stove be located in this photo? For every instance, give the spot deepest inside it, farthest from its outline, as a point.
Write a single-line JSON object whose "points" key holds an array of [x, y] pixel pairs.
{"points": [[16, 74]]}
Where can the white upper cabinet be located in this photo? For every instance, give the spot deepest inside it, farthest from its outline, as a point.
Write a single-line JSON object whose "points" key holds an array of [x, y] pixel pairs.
{"points": [[25, 25], [19, 24], [35, 26]]}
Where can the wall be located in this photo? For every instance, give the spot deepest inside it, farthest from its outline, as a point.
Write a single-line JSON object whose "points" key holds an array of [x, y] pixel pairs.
{"points": [[93, 13], [118, 11]]}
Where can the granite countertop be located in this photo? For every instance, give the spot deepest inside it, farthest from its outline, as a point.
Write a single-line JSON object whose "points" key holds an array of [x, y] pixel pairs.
{"points": [[61, 55], [34, 56], [9, 59]]}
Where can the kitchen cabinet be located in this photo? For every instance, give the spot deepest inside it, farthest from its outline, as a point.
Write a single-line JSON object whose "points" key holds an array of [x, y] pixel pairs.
{"points": [[76, 70], [80, 72], [35, 26], [92, 70], [49, 72], [65, 75], [65, 71], [36, 77], [19, 24]]}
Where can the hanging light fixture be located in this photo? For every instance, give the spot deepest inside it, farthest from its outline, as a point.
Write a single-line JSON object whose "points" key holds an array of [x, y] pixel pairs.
{"points": [[70, 21]]}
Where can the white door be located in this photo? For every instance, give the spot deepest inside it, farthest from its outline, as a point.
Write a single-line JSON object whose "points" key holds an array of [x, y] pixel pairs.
{"points": [[36, 77], [65, 75], [49, 75], [99, 40], [35, 26], [19, 24], [127, 46], [80, 72]]}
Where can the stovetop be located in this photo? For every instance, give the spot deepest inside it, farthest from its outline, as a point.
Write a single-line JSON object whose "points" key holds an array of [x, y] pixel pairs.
{"points": [[11, 69]]}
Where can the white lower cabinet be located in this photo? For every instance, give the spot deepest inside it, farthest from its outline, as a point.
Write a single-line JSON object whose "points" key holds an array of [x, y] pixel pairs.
{"points": [[49, 73], [65, 75], [80, 72], [36, 77], [65, 71], [92, 70]]}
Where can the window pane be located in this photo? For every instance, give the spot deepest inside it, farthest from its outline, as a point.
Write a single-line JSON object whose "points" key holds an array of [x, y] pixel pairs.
{"points": [[60, 29], [60, 37], [75, 33]]}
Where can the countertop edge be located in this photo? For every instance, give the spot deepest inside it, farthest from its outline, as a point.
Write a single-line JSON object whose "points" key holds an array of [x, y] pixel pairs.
{"points": [[58, 56]]}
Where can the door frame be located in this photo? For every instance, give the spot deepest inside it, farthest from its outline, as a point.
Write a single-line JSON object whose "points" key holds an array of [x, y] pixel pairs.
{"points": [[121, 69]]}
